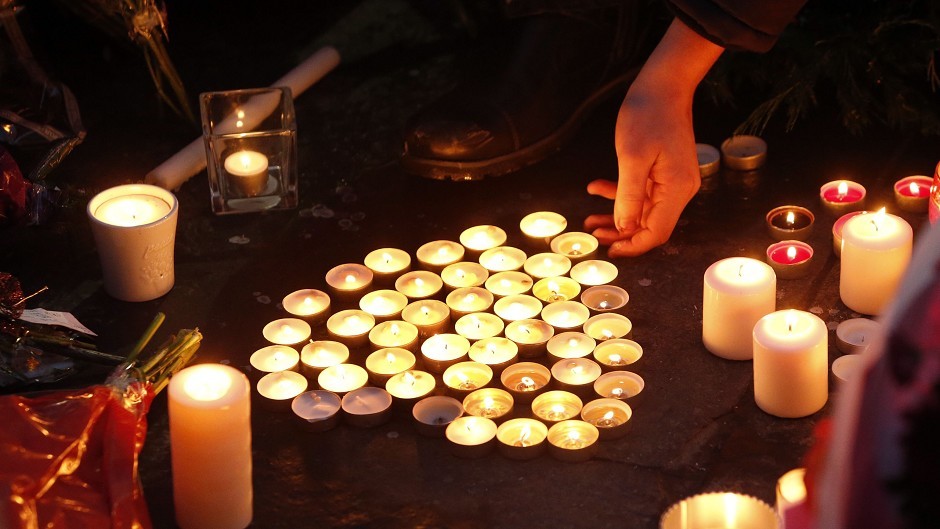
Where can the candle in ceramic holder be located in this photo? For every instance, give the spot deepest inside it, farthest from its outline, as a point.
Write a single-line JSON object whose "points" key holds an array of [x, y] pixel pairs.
{"points": [[619, 385], [837, 230], [249, 172], [350, 327], [463, 301], [547, 264], [573, 441], [744, 153], [558, 288], [517, 307], [463, 378], [210, 436], [464, 274], [503, 259], [790, 223], [387, 264], [790, 259], [471, 437], [912, 193], [608, 326], [556, 406], [530, 336], [383, 305], [367, 407], [570, 345], [575, 245], [286, 331], [444, 350], [478, 239], [565, 315], [525, 380], [384, 363], [611, 417], [435, 255], [492, 403], [308, 304], [604, 298], [845, 367], [394, 333], [709, 159], [279, 389], [479, 325], [343, 378], [876, 249], [419, 284], [349, 281], [321, 354], [521, 439], [316, 411], [496, 352], [542, 226], [274, 358], [409, 387], [504, 284], [617, 354], [594, 272], [738, 292], [726, 510], [791, 363], [842, 196], [430, 316], [854, 335], [792, 510], [576, 375], [433, 414]]}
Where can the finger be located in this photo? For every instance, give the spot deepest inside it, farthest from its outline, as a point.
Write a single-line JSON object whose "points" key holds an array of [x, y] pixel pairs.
{"points": [[641, 242], [594, 222], [631, 191], [607, 236], [603, 188]]}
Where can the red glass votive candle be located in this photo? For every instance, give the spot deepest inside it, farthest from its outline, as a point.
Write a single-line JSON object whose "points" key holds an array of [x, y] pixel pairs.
{"points": [[790, 259], [912, 193], [842, 196]]}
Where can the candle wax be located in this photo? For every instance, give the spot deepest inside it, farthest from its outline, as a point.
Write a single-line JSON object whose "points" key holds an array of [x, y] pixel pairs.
{"points": [[790, 254]]}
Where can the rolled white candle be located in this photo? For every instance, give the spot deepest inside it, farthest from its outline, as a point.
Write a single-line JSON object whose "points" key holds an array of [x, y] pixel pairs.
{"points": [[791, 363], [738, 292], [876, 248]]}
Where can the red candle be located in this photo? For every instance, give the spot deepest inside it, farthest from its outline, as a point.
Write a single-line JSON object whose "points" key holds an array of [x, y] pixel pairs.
{"points": [[911, 193], [842, 195], [789, 259], [790, 254]]}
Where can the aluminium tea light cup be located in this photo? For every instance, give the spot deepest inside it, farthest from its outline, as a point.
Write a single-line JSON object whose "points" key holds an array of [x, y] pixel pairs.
{"points": [[343, 378], [350, 327], [278, 389], [479, 325], [837, 230], [409, 387], [611, 417], [541, 226], [570, 345], [842, 196], [436, 255], [709, 159], [557, 288], [419, 284], [621, 385], [546, 264], [471, 437], [349, 281], [715, 509], [785, 223], [576, 375], [617, 354], [573, 440], [286, 331], [790, 259], [394, 333], [556, 406], [464, 274], [309, 304], [433, 414], [594, 272], [608, 326], [502, 284], [565, 315], [463, 301], [845, 367], [321, 354], [854, 335], [274, 358], [912, 193], [604, 298], [383, 304], [443, 350], [497, 352], [575, 245], [430, 316], [493, 403], [478, 239], [385, 363], [744, 152], [387, 264], [367, 407], [525, 380], [503, 259], [531, 336], [521, 439], [517, 307], [316, 411], [463, 378]]}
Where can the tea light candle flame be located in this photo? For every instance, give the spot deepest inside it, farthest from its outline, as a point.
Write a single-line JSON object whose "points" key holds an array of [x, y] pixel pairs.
{"points": [[465, 382], [607, 421], [394, 329], [607, 334], [915, 189], [791, 218], [615, 360], [350, 278], [387, 257], [843, 189], [575, 249], [573, 440], [603, 304], [526, 384], [469, 298], [524, 435], [556, 412], [790, 321], [878, 219], [419, 282], [390, 358], [409, 378], [616, 393], [791, 253]]}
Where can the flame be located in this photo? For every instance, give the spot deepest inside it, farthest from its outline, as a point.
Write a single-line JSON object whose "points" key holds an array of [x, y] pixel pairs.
{"points": [[602, 304], [308, 301], [419, 282], [576, 247], [553, 287], [207, 384], [608, 416], [461, 274], [791, 253], [386, 257], [615, 358], [731, 509], [442, 251], [573, 343], [524, 435], [592, 270], [791, 320], [488, 403], [547, 262], [616, 393], [505, 283], [915, 189], [409, 378], [394, 329], [461, 377], [469, 298], [878, 219], [350, 278], [607, 334], [527, 382], [791, 218], [842, 189], [390, 358]]}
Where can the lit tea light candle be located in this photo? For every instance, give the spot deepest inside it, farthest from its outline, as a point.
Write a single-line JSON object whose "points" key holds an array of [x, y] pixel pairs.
{"points": [[576, 375], [367, 407], [503, 259], [912, 193], [435, 255], [525, 380], [350, 327], [837, 230], [709, 159], [321, 354], [790, 259], [430, 316], [349, 281], [573, 440], [384, 305], [604, 298], [743, 152], [504, 284], [394, 333], [542, 226], [556, 406], [842, 196], [552, 289], [463, 378], [419, 284], [249, 171], [433, 414], [611, 417], [517, 307], [521, 439], [496, 352], [565, 315], [387, 264], [593, 272], [608, 326], [785, 223], [845, 367], [444, 350], [408, 387], [792, 510], [309, 304], [384, 363], [543, 265], [570, 345], [738, 292], [470, 436], [492, 403], [616, 355], [464, 274], [531, 336], [791, 363], [279, 389], [479, 325], [619, 385], [876, 249], [274, 358], [317, 410], [463, 301], [286, 331], [854, 335], [719, 509], [481, 238], [343, 378], [575, 245]]}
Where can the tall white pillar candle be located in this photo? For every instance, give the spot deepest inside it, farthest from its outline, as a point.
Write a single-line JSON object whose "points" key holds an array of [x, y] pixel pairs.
{"points": [[738, 292], [791, 363], [876, 248]]}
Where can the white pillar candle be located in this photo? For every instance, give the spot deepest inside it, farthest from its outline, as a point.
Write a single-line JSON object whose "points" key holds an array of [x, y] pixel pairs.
{"points": [[738, 292], [876, 248], [464, 274], [593, 272], [249, 171], [463, 301], [435, 255], [791, 363], [503, 259], [547, 264], [482, 238], [517, 307], [791, 500], [210, 440], [504, 284]]}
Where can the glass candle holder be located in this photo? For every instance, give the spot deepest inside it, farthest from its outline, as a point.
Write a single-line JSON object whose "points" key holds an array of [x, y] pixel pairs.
{"points": [[251, 149], [493, 403], [521, 438]]}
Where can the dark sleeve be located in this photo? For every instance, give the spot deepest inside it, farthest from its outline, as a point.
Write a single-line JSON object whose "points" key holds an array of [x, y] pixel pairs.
{"points": [[751, 25]]}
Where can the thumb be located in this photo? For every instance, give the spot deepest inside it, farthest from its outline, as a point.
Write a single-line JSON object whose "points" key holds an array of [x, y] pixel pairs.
{"points": [[631, 193]]}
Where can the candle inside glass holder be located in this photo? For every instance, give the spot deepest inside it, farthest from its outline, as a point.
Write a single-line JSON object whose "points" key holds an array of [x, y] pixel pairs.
{"points": [[553, 289], [594, 272], [479, 325], [394, 333], [279, 389], [543, 225], [620, 385], [342, 378], [367, 407], [503, 284], [317, 410], [465, 377], [349, 281], [350, 327], [556, 406], [463, 301], [492, 403], [531, 336], [565, 315], [617, 354], [321, 354], [503, 259], [274, 358], [608, 326], [464, 274], [575, 245], [610, 416], [430, 316], [547, 264], [471, 436], [481, 238], [419, 284], [517, 307], [286, 331], [496, 352], [387, 264], [525, 380], [384, 363], [433, 414], [605, 298], [570, 345], [435, 255], [573, 440], [444, 350], [383, 305], [309, 304], [522, 438]]}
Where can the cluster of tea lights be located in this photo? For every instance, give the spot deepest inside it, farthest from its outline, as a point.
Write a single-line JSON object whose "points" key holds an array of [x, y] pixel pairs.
{"points": [[483, 343]]}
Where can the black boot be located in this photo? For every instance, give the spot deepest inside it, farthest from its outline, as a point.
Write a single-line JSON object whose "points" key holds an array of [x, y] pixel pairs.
{"points": [[560, 67]]}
